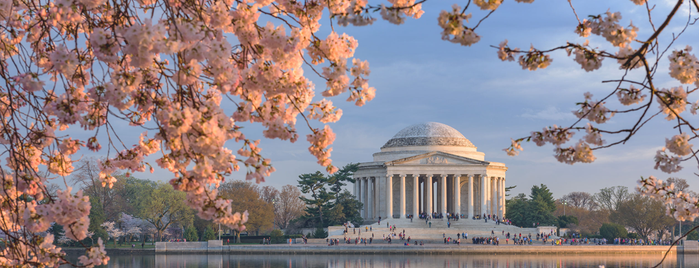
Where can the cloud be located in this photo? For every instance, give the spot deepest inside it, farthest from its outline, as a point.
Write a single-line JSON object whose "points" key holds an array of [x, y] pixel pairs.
{"points": [[550, 113]]}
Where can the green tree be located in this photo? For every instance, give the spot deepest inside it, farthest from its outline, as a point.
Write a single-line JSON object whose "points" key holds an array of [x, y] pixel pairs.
{"points": [[328, 205], [245, 196], [277, 236], [162, 206], [341, 177], [191, 234], [537, 209], [517, 210], [209, 234], [200, 225], [315, 185], [349, 207], [96, 219], [320, 233], [612, 230], [564, 221], [643, 214]]}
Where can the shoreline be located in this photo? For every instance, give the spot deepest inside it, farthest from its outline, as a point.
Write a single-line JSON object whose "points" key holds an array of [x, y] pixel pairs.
{"points": [[430, 249]]}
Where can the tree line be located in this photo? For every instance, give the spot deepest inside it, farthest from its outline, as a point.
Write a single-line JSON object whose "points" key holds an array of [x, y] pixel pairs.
{"points": [[145, 210], [613, 212]]}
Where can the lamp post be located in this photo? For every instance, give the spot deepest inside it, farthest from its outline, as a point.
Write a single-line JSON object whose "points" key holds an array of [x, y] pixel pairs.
{"points": [[564, 207]]}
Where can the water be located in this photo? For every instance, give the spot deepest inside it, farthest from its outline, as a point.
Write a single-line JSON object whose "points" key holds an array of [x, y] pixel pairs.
{"points": [[399, 261]]}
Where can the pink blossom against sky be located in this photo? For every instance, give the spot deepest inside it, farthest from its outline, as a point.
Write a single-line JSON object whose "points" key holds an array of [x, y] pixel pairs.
{"points": [[419, 78]]}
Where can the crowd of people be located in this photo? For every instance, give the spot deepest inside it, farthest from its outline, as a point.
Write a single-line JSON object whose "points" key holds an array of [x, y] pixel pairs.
{"points": [[493, 239]]}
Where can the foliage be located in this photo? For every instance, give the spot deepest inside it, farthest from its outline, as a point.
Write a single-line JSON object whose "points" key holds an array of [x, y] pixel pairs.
{"points": [[610, 198], [694, 235], [277, 236], [190, 233], [326, 206], [611, 231], [111, 67], [200, 225], [320, 233], [340, 179], [96, 219], [536, 210], [564, 221], [288, 207], [160, 205], [349, 207], [315, 184], [245, 196], [644, 215], [582, 200], [209, 234]]}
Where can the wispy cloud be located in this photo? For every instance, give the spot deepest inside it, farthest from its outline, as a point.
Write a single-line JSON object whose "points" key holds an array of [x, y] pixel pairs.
{"points": [[550, 113]]}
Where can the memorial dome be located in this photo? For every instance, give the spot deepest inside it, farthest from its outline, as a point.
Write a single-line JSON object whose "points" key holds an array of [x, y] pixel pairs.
{"points": [[428, 134]]}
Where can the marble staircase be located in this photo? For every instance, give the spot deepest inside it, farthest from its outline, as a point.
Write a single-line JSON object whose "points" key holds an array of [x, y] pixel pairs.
{"points": [[419, 230]]}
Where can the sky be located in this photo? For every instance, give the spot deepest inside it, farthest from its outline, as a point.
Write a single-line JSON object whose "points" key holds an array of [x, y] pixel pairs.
{"points": [[420, 78]]}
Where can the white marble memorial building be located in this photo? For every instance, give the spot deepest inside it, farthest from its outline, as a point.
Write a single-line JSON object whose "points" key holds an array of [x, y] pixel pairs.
{"points": [[430, 167]]}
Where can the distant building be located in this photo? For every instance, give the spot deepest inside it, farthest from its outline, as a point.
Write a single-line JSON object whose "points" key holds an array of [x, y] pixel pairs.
{"points": [[430, 167]]}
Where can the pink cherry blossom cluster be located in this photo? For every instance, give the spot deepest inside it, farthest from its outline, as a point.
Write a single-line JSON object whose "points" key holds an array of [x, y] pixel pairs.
{"points": [[534, 60], [608, 27], [95, 255], [672, 101], [174, 68], [489, 4], [454, 28], [514, 148], [629, 96], [588, 58], [683, 206], [594, 111], [581, 152], [684, 66], [667, 163], [399, 9]]}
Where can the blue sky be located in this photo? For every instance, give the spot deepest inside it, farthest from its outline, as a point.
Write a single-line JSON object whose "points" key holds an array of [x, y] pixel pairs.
{"points": [[421, 78]]}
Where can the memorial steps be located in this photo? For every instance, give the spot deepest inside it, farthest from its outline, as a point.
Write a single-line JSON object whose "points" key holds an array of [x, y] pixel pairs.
{"points": [[419, 230]]}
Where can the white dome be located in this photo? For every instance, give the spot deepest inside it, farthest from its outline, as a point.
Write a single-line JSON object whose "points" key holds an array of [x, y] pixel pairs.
{"points": [[428, 134]]}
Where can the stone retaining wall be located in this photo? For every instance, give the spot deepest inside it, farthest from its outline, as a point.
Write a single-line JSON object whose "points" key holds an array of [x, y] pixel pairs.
{"points": [[216, 246], [212, 246]]}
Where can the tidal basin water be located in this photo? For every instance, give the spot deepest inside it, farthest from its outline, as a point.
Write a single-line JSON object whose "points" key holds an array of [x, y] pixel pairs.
{"points": [[400, 261]]}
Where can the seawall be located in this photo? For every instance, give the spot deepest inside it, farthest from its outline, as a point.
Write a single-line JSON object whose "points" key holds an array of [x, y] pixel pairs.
{"points": [[215, 246]]}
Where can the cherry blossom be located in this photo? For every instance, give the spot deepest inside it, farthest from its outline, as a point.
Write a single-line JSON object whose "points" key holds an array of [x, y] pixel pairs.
{"points": [[629, 96], [666, 163], [679, 144], [672, 101]]}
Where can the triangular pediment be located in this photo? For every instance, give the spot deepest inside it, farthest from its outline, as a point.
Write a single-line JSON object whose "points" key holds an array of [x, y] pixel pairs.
{"points": [[437, 158]]}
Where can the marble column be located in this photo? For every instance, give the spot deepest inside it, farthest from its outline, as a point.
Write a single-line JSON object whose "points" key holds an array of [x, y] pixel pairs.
{"points": [[457, 194], [416, 190], [484, 194], [493, 197], [401, 206], [365, 195], [497, 197], [470, 196], [370, 199], [504, 201], [428, 194], [389, 196], [443, 189], [358, 181]]}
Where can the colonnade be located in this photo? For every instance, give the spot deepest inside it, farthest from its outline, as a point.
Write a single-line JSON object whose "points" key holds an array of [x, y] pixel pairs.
{"points": [[401, 195]]}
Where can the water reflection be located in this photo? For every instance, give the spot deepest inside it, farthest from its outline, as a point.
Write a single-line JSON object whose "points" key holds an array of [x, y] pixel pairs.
{"points": [[400, 261]]}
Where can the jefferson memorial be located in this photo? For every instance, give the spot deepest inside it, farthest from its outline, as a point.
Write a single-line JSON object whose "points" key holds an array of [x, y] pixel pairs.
{"points": [[430, 168]]}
